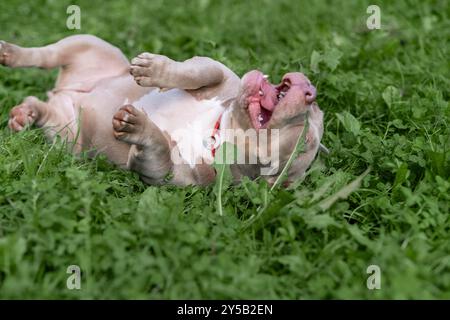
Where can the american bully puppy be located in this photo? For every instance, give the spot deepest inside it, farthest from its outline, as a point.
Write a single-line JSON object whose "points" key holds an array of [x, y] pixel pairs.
{"points": [[165, 119]]}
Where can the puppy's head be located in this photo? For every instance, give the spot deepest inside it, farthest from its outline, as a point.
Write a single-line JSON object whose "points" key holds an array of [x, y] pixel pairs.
{"points": [[264, 107]]}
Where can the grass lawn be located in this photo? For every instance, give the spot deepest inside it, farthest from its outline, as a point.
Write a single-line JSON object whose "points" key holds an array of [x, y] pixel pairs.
{"points": [[385, 94]]}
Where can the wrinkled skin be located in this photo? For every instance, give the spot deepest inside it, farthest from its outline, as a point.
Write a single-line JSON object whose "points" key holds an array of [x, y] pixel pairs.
{"points": [[130, 112]]}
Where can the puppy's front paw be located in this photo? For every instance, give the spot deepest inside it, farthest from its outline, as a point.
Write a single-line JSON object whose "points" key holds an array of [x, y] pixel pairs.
{"points": [[25, 114], [129, 125], [8, 53], [150, 70]]}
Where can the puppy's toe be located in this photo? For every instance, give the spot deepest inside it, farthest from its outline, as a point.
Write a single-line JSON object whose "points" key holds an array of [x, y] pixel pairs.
{"points": [[14, 125], [146, 55], [145, 81], [123, 121], [141, 62], [132, 111], [139, 71]]}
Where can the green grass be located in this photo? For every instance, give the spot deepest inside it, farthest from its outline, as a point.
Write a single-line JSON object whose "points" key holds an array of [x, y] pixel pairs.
{"points": [[385, 97]]}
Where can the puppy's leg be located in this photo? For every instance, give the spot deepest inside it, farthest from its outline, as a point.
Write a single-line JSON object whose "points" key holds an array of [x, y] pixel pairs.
{"points": [[86, 49], [153, 70], [83, 60], [54, 120], [14, 56], [47, 57]]}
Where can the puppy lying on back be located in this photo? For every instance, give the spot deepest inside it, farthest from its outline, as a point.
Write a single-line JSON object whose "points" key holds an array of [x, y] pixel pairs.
{"points": [[167, 119]]}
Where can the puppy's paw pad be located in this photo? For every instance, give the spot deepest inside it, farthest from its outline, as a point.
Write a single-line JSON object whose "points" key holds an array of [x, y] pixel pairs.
{"points": [[128, 123], [21, 116]]}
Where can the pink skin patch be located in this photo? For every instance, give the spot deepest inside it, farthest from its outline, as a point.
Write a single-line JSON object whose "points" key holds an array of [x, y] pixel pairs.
{"points": [[262, 97]]}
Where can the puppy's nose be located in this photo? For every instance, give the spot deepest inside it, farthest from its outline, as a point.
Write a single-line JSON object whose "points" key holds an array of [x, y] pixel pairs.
{"points": [[310, 93]]}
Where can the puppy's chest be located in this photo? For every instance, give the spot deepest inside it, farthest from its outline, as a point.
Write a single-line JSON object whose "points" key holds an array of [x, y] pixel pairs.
{"points": [[188, 121]]}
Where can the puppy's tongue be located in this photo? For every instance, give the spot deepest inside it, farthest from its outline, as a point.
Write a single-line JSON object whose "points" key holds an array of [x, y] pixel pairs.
{"points": [[254, 110], [262, 98], [269, 99]]}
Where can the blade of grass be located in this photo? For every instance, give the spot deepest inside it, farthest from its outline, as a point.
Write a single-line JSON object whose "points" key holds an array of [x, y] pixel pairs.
{"points": [[223, 177], [344, 192], [220, 176], [299, 148]]}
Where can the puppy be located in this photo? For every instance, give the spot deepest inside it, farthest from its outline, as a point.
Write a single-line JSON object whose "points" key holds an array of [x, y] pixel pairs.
{"points": [[165, 119]]}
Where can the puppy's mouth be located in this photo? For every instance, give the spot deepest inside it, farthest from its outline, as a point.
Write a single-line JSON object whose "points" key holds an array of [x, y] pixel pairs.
{"points": [[262, 97]]}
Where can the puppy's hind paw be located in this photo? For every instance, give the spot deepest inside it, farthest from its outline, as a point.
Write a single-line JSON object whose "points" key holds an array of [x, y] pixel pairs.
{"points": [[8, 53], [129, 124], [23, 115], [149, 70]]}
